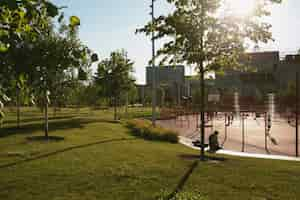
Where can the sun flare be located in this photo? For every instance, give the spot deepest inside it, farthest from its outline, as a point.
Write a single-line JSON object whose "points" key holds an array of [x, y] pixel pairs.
{"points": [[241, 7]]}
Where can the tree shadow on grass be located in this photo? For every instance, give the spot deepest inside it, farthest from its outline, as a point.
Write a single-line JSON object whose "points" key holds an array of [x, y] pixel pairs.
{"points": [[73, 123], [190, 170], [46, 155], [45, 139], [183, 180], [38, 119], [206, 158], [197, 157]]}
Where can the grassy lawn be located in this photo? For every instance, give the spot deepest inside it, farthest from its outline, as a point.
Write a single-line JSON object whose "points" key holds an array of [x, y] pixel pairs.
{"points": [[99, 159]]}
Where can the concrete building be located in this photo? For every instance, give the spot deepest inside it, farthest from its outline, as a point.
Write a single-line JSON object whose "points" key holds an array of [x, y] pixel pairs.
{"points": [[166, 75], [270, 73], [170, 82], [262, 61], [286, 71], [264, 72]]}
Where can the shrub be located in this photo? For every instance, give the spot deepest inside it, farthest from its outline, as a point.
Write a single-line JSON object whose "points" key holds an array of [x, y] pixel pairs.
{"points": [[144, 129]]}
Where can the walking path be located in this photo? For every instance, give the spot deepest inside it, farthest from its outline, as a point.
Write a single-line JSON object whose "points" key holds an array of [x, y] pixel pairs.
{"points": [[188, 142]]}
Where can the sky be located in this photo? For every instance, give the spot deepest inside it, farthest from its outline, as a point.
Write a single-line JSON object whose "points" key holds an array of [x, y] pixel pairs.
{"points": [[108, 25]]}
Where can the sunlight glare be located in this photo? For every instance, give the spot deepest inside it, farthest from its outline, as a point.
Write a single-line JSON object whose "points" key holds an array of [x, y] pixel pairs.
{"points": [[241, 7]]}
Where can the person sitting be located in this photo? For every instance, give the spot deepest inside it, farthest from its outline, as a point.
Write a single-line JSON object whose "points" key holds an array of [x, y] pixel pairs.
{"points": [[213, 142]]}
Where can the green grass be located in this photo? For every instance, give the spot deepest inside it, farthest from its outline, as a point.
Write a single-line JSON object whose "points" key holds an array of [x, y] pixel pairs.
{"points": [[99, 159]]}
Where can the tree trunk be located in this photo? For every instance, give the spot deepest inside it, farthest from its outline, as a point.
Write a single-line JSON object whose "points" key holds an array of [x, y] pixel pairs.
{"points": [[18, 107], [202, 104], [126, 106], [202, 111], [54, 110], [46, 115], [115, 108]]}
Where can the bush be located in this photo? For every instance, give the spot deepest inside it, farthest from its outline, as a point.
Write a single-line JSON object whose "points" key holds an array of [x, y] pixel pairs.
{"points": [[144, 129]]}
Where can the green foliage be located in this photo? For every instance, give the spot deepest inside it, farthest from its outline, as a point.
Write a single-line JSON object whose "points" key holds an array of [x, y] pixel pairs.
{"points": [[19, 17], [3, 99], [144, 129], [37, 60], [94, 57], [113, 76], [74, 21], [3, 47], [201, 32], [81, 94]]}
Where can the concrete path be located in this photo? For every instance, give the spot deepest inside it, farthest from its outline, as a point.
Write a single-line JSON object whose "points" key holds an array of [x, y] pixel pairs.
{"points": [[188, 142]]}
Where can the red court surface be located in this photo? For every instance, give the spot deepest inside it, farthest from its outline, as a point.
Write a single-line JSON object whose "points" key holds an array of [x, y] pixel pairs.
{"points": [[281, 131]]}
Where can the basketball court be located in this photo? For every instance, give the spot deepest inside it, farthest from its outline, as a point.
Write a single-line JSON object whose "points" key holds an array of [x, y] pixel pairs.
{"points": [[280, 140]]}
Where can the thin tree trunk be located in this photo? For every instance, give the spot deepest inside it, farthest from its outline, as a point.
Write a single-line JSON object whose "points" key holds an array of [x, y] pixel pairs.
{"points": [[18, 107], [202, 111], [202, 105], [54, 110], [126, 106], [115, 108], [46, 115]]}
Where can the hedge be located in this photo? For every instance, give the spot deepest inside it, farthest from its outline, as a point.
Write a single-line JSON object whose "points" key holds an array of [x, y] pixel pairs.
{"points": [[144, 129]]}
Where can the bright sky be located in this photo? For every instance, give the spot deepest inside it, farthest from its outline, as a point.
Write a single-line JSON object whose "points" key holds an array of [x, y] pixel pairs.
{"points": [[108, 25]]}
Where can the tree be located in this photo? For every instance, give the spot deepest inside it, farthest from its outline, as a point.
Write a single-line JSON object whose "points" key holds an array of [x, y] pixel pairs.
{"points": [[113, 77], [55, 56], [34, 54], [21, 21], [3, 99], [17, 61], [203, 34], [23, 16]]}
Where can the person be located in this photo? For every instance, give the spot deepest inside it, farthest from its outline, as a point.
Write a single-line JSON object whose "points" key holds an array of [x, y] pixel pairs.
{"points": [[213, 142]]}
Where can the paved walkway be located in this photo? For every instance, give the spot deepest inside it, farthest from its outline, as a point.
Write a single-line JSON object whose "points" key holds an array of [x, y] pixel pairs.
{"points": [[188, 142]]}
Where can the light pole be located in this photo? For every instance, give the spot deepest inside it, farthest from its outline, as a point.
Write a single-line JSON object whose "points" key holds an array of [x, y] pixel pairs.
{"points": [[153, 67], [297, 110]]}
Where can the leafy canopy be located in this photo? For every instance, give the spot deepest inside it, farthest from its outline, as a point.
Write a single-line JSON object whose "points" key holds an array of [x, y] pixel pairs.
{"points": [[23, 16], [113, 75], [202, 32]]}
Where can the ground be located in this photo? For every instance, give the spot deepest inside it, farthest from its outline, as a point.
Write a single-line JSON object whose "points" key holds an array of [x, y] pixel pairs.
{"points": [[99, 159], [254, 130]]}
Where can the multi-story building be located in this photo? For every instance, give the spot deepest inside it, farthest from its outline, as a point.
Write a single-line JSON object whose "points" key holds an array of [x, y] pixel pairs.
{"points": [[265, 72], [287, 69], [166, 75], [262, 73], [170, 81]]}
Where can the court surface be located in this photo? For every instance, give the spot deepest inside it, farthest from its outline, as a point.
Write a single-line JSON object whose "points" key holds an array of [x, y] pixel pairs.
{"points": [[254, 131]]}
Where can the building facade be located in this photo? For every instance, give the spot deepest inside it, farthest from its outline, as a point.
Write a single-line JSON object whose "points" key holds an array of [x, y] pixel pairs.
{"points": [[269, 74]]}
